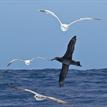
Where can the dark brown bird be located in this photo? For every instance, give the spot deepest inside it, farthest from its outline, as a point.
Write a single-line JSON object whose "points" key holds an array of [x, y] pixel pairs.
{"points": [[67, 60]]}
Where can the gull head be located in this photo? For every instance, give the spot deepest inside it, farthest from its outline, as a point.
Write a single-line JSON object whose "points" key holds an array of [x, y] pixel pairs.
{"points": [[64, 27], [27, 62], [39, 97]]}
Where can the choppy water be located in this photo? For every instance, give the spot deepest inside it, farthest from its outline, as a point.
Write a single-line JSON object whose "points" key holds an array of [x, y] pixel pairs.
{"points": [[83, 88]]}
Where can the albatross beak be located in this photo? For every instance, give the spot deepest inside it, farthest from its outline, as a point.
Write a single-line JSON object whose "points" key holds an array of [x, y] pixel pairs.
{"points": [[52, 59]]}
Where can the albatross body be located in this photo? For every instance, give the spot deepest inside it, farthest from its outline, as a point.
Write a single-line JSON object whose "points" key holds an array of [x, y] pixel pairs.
{"points": [[64, 26], [66, 61]]}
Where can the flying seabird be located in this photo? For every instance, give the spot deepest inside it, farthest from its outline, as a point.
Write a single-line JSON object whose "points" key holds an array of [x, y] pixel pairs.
{"points": [[64, 27], [37, 96], [26, 61], [67, 60]]}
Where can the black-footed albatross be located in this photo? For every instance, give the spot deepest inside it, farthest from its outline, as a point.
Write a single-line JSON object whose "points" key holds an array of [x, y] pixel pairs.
{"points": [[67, 60]]}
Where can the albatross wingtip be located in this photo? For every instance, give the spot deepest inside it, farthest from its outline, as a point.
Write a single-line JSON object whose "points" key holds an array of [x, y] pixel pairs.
{"points": [[74, 37], [61, 84]]}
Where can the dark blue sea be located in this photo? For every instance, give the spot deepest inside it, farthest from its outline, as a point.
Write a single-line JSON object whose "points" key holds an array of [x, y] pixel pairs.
{"points": [[83, 88]]}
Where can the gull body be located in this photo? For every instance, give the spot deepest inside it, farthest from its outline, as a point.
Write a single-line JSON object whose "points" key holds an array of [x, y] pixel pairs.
{"points": [[64, 26], [37, 96], [67, 60], [27, 62]]}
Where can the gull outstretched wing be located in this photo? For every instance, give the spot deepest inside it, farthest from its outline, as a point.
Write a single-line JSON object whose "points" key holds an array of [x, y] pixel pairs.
{"points": [[52, 14], [12, 61], [84, 19]]}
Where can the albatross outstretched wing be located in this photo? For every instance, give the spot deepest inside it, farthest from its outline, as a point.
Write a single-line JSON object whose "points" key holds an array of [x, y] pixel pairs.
{"points": [[70, 48], [63, 74]]}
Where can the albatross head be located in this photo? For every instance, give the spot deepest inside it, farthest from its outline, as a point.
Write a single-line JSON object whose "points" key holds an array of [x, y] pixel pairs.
{"points": [[78, 63], [64, 27]]}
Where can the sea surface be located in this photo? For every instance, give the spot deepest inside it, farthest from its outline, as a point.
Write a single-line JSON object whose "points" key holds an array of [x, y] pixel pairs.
{"points": [[83, 88]]}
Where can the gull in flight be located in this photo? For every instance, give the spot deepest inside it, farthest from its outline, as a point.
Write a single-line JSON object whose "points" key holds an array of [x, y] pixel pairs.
{"points": [[26, 62], [64, 27], [40, 97], [67, 60], [37, 96]]}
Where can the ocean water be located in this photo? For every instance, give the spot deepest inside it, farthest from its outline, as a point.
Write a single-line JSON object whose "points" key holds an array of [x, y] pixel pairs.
{"points": [[83, 88]]}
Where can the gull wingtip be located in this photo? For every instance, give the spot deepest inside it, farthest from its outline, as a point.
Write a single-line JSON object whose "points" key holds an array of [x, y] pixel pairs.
{"points": [[97, 19], [41, 10]]}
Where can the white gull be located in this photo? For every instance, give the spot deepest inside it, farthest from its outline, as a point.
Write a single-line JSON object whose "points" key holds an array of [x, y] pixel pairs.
{"points": [[64, 27]]}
